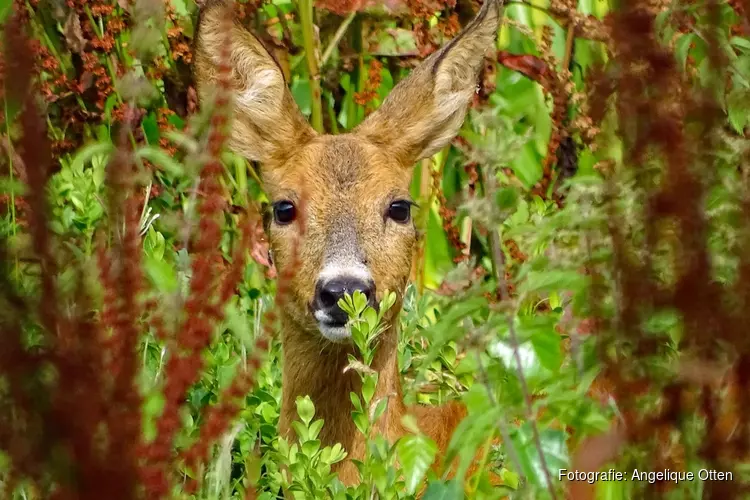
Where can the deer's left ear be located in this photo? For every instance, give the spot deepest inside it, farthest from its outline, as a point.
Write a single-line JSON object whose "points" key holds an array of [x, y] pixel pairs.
{"points": [[424, 112]]}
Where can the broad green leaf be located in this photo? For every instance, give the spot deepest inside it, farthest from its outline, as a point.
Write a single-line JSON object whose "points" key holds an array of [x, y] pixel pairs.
{"points": [[315, 428], [160, 158], [738, 108], [442, 490], [302, 95], [310, 448], [86, 154], [553, 447], [12, 186], [682, 47], [437, 256], [416, 454], [151, 129], [305, 409], [553, 280], [161, 273], [548, 348], [368, 389], [5, 9], [506, 198]]}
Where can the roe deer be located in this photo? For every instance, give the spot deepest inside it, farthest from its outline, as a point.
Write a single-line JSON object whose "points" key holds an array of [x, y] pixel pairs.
{"points": [[358, 232]]}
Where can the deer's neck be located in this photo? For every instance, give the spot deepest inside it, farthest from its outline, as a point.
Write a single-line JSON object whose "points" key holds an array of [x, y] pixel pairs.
{"points": [[316, 369]]}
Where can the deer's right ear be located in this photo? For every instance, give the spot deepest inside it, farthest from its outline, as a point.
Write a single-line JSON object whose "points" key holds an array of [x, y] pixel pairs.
{"points": [[267, 124], [424, 111]]}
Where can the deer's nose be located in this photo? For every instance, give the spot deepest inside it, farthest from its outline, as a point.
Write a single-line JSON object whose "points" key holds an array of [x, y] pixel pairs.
{"points": [[329, 292]]}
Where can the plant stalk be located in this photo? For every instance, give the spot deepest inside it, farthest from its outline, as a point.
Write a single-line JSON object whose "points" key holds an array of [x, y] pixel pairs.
{"points": [[311, 55]]}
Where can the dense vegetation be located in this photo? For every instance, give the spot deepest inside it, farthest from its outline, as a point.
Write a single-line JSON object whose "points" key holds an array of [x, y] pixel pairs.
{"points": [[582, 281]]}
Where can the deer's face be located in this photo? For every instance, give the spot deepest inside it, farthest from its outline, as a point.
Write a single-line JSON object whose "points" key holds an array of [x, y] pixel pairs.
{"points": [[344, 200], [346, 204]]}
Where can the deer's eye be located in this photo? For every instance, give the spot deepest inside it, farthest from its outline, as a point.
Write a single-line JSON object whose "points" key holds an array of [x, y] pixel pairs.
{"points": [[284, 212], [400, 211]]}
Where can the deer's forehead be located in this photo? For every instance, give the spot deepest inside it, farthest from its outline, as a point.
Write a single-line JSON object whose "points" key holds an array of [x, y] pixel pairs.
{"points": [[334, 171]]}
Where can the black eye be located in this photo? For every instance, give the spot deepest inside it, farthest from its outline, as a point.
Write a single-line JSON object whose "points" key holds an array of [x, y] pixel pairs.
{"points": [[284, 212], [400, 211]]}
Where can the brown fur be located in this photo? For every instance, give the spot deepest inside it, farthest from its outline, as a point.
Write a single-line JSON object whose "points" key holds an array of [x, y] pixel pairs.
{"points": [[348, 182]]}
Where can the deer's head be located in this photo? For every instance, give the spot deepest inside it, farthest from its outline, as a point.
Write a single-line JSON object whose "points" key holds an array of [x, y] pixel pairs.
{"points": [[358, 229]]}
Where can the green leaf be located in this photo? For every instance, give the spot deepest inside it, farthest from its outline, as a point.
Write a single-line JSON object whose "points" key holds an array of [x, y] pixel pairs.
{"points": [[302, 95], [315, 428], [355, 401], [530, 363], [180, 8], [506, 198], [360, 302], [152, 408], [305, 409], [5, 8], [388, 300], [160, 158], [527, 166], [360, 420], [416, 454], [310, 448], [368, 389], [738, 109], [476, 399], [87, 153], [510, 478], [371, 317], [682, 47], [155, 244], [410, 423], [443, 490], [553, 446], [437, 258], [151, 128], [161, 273], [548, 348], [380, 408], [740, 42], [446, 330], [300, 429], [237, 322], [12, 186], [553, 280]]}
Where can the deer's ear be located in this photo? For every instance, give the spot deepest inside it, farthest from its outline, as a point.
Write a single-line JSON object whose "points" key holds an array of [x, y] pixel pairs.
{"points": [[267, 124], [424, 112]]}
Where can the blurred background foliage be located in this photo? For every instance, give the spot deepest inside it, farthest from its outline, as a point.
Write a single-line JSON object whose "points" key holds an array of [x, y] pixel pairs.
{"points": [[516, 275]]}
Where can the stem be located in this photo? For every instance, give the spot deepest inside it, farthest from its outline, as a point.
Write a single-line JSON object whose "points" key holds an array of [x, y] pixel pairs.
{"points": [[254, 174], [337, 38], [240, 170], [570, 38], [501, 423], [498, 268], [334, 119], [308, 39], [354, 85], [425, 192], [9, 146], [286, 33], [483, 461], [466, 235]]}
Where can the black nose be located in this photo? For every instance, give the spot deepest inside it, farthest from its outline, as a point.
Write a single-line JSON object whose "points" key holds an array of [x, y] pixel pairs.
{"points": [[328, 294]]}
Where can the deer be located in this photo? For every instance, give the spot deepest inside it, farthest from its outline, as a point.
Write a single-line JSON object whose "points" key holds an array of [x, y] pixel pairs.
{"points": [[358, 230]]}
